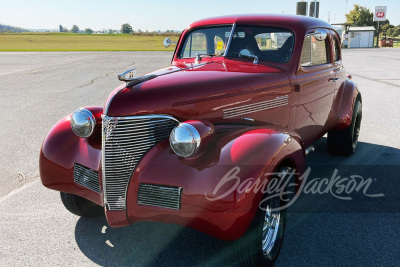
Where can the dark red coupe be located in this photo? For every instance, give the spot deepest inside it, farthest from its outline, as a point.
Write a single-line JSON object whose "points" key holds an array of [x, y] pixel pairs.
{"points": [[241, 103]]}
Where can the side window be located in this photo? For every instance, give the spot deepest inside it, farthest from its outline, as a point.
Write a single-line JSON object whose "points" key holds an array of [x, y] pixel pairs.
{"points": [[336, 47], [273, 41], [315, 51], [195, 44]]}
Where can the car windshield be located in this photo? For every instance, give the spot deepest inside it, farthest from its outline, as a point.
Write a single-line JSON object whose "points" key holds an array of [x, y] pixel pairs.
{"points": [[207, 41], [269, 44]]}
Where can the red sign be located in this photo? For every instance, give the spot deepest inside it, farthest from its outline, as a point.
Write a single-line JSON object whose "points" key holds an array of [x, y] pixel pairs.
{"points": [[380, 13]]}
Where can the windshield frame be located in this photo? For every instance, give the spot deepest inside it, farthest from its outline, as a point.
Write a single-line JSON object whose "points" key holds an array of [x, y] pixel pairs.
{"points": [[188, 34], [228, 45]]}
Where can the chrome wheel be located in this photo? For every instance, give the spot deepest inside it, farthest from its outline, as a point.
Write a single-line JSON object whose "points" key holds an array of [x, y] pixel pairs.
{"points": [[270, 229], [356, 131]]}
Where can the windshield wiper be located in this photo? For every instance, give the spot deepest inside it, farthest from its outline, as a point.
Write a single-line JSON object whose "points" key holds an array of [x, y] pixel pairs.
{"points": [[255, 61], [198, 56]]}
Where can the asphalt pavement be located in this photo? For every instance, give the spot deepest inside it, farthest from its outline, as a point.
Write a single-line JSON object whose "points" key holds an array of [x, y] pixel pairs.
{"points": [[38, 89]]}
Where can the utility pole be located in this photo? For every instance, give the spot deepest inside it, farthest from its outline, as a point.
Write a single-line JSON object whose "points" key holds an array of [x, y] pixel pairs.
{"points": [[377, 37]]}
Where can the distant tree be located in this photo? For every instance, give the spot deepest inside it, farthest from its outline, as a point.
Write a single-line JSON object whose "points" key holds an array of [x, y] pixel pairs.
{"points": [[8, 28], [88, 31], [65, 29], [360, 16], [385, 29], [393, 32], [126, 28], [110, 31], [61, 28], [75, 29]]}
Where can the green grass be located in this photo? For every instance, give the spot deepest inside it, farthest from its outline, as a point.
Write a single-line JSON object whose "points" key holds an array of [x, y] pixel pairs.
{"points": [[82, 42]]}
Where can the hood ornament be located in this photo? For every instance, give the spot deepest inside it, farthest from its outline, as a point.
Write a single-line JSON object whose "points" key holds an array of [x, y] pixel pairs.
{"points": [[130, 79], [128, 75]]}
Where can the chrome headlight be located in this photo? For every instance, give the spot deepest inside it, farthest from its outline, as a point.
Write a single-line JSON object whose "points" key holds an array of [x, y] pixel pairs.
{"points": [[83, 122], [184, 140]]}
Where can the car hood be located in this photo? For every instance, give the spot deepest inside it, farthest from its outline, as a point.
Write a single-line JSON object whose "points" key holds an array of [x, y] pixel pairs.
{"points": [[198, 91]]}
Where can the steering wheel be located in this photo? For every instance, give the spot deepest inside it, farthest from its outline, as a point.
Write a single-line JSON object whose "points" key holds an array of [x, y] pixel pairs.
{"points": [[246, 52]]}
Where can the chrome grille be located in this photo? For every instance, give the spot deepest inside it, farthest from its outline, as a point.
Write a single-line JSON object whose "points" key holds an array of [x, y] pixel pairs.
{"points": [[160, 196], [86, 177], [255, 107], [125, 141]]}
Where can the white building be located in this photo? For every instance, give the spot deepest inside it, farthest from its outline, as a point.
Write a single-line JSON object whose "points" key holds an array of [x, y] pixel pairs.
{"points": [[360, 37]]}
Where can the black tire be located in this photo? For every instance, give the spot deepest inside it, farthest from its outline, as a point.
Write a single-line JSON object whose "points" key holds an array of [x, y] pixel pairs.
{"points": [[249, 248], [81, 206], [344, 142]]}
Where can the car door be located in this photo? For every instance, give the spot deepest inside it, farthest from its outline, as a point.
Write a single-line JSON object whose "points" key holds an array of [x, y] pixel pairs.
{"points": [[315, 81]]}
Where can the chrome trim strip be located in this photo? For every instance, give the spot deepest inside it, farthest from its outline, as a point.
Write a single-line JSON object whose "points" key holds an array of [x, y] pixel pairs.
{"points": [[145, 117], [256, 107], [228, 45], [123, 148]]}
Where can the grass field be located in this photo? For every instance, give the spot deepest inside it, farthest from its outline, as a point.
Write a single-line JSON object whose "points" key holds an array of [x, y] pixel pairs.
{"points": [[87, 42], [82, 42]]}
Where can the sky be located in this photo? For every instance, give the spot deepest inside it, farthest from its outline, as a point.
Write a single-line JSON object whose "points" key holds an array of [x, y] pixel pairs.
{"points": [[161, 15]]}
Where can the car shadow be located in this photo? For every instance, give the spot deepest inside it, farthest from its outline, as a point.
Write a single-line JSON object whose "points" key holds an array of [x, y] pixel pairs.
{"points": [[160, 244], [149, 244]]}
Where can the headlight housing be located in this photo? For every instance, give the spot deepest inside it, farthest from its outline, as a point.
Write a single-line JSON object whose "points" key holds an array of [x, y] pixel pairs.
{"points": [[83, 122], [185, 140]]}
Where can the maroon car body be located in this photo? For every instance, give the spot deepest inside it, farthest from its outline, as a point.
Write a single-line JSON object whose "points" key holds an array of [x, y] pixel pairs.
{"points": [[259, 116]]}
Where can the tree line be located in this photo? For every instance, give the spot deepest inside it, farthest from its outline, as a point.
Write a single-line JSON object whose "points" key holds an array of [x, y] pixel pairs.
{"points": [[10, 29], [126, 28]]}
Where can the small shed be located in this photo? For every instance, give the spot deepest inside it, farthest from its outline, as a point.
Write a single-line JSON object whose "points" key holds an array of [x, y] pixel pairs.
{"points": [[361, 37]]}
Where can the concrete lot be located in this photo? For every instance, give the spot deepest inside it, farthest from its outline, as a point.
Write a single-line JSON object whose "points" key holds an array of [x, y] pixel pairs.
{"points": [[38, 89]]}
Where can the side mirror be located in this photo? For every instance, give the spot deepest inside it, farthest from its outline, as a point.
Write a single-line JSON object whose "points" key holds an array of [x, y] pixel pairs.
{"points": [[167, 42]]}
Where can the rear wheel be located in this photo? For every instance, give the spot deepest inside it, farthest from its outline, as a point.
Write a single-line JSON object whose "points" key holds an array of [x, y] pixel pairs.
{"points": [[261, 244], [344, 142], [81, 206]]}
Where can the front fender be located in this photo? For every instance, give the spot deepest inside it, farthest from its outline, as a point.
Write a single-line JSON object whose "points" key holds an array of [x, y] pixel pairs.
{"points": [[221, 210], [62, 148]]}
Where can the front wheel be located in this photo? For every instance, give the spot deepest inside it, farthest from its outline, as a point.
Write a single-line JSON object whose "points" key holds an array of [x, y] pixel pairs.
{"points": [[261, 244], [344, 142], [81, 206]]}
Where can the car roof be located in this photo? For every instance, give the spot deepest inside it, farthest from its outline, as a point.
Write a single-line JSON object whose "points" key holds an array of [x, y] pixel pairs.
{"points": [[289, 21]]}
